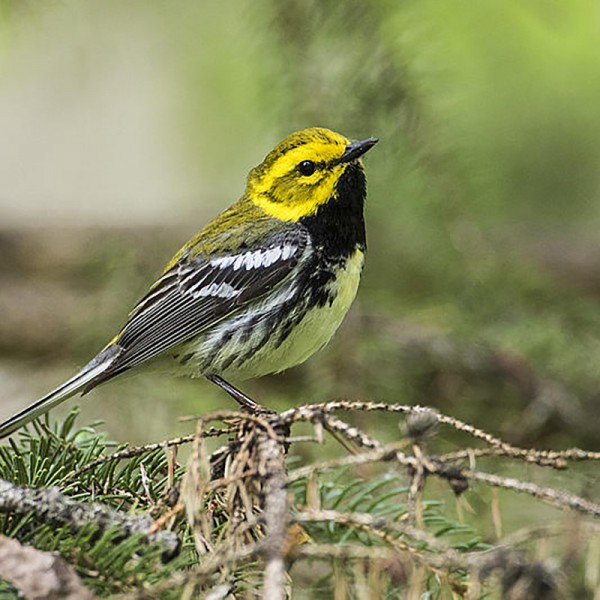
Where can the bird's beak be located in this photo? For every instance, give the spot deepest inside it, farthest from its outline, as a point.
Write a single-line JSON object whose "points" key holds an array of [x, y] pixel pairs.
{"points": [[356, 149]]}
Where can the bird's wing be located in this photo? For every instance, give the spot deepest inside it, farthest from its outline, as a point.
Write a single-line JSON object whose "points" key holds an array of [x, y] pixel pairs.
{"points": [[194, 293], [199, 291]]}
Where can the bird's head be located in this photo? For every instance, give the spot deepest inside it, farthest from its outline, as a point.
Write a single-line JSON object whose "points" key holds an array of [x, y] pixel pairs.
{"points": [[304, 172]]}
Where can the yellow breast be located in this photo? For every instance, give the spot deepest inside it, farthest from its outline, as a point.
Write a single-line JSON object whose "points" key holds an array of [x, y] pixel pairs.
{"points": [[314, 331]]}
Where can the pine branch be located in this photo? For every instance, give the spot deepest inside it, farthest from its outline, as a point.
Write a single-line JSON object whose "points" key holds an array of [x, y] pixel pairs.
{"points": [[132, 451], [52, 507], [245, 524]]}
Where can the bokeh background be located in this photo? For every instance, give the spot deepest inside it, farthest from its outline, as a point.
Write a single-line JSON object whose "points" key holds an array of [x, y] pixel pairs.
{"points": [[126, 126]]}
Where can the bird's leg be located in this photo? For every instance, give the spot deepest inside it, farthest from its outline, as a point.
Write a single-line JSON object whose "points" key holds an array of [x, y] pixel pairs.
{"points": [[244, 401]]}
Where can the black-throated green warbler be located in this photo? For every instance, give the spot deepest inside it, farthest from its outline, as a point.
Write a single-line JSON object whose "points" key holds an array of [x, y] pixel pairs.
{"points": [[260, 288]]}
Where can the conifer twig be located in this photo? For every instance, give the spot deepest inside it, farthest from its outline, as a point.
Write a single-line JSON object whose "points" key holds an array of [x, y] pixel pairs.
{"points": [[132, 451], [559, 498], [52, 507]]}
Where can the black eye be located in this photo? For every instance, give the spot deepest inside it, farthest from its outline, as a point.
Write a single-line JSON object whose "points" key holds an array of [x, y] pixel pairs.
{"points": [[307, 167]]}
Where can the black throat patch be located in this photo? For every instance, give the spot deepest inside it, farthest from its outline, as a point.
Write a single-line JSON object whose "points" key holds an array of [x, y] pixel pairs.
{"points": [[338, 227]]}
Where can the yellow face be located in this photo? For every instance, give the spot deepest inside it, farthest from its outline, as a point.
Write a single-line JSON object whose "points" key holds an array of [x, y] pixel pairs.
{"points": [[299, 174]]}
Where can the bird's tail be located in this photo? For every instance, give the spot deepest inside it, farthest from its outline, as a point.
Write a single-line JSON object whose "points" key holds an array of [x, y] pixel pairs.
{"points": [[96, 367]]}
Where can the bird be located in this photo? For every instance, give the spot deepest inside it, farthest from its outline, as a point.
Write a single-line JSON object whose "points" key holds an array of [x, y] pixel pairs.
{"points": [[260, 288]]}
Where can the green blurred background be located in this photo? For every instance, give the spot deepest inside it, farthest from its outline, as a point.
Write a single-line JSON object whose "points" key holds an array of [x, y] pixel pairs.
{"points": [[126, 126]]}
